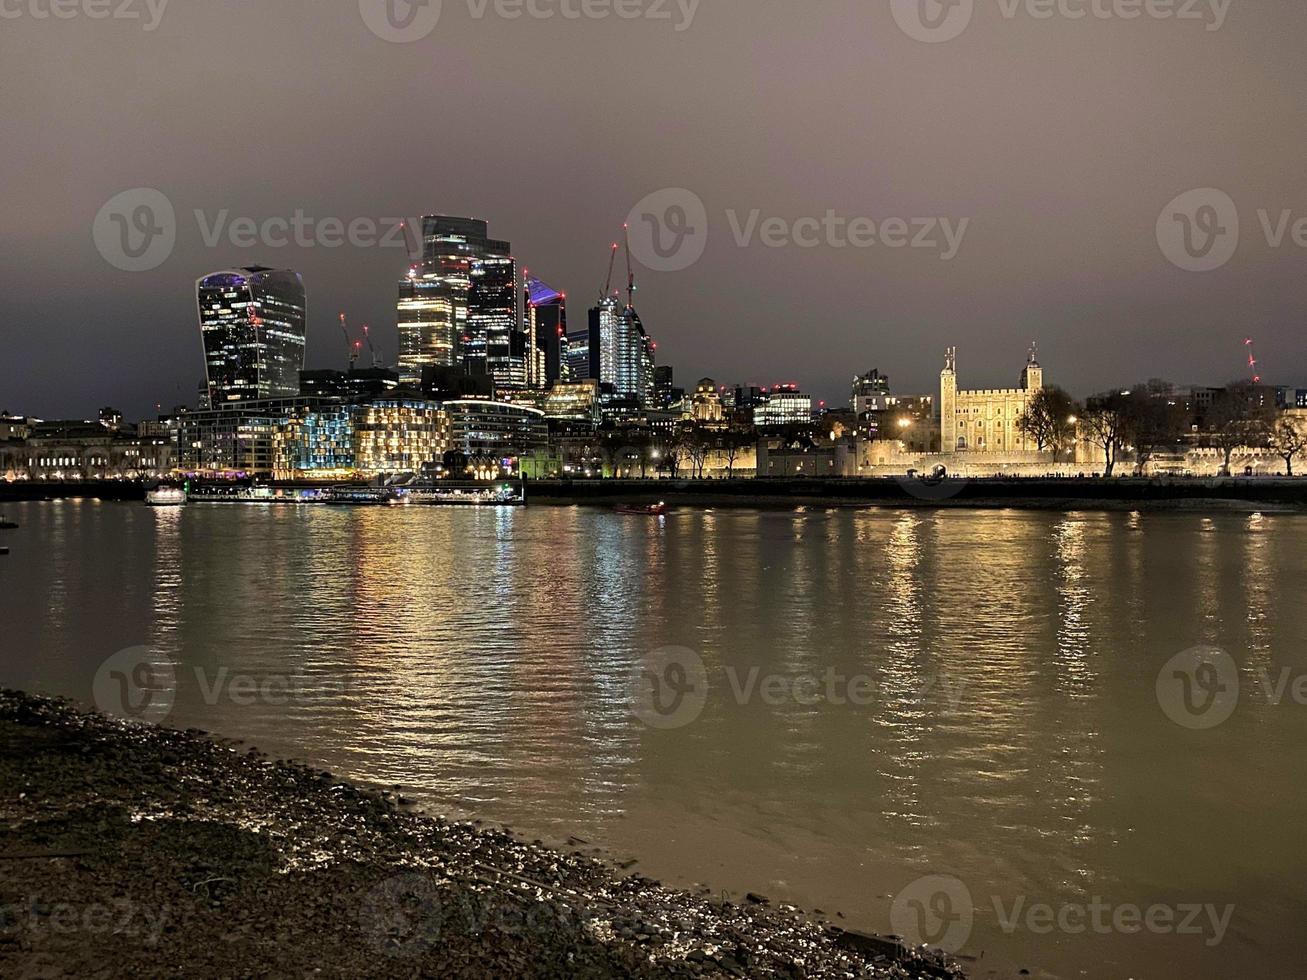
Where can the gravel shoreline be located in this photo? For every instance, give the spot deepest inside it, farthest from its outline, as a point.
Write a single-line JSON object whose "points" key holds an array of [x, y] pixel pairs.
{"points": [[129, 850]]}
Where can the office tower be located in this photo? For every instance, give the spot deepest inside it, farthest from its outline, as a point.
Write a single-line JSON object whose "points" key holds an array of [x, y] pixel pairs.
{"points": [[664, 386], [253, 323], [615, 351], [458, 305], [546, 333], [871, 393]]}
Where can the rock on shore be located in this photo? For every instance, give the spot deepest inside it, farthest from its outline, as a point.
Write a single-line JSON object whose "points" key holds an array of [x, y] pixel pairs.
{"points": [[133, 851]]}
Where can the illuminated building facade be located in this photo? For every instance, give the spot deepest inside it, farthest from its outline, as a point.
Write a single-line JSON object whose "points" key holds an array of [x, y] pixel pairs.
{"points": [[397, 434], [253, 323], [579, 400], [785, 405], [871, 393], [706, 404], [986, 421], [485, 430], [545, 310], [458, 305]]}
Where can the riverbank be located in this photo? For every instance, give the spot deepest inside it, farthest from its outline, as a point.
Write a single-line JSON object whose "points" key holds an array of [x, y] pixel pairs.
{"points": [[996, 493], [139, 851]]}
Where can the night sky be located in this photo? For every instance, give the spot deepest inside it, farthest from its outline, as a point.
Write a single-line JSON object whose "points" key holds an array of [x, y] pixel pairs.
{"points": [[1061, 140]]}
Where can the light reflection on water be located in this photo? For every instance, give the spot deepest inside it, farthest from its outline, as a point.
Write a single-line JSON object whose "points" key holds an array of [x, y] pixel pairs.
{"points": [[480, 659]]}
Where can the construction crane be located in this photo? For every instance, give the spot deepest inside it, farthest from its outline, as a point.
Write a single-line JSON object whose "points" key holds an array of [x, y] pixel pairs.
{"points": [[630, 271], [1251, 347], [351, 348], [376, 358], [612, 263]]}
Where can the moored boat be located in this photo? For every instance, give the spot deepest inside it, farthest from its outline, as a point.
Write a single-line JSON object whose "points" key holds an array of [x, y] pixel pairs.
{"points": [[165, 497], [650, 510]]}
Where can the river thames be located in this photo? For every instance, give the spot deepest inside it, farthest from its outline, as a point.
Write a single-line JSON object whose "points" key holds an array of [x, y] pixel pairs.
{"points": [[979, 699]]}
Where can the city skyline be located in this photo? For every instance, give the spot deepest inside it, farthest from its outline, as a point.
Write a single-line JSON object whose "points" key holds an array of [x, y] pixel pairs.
{"points": [[1061, 244]]}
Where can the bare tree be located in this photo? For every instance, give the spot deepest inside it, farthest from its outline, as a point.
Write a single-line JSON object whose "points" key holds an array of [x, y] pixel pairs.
{"points": [[1048, 419], [733, 444], [1289, 439], [1238, 420], [1153, 422], [1105, 422]]}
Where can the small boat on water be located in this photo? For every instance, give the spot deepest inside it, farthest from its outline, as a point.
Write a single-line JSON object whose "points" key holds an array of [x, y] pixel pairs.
{"points": [[360, 496], [165, 497], [7, 525], [651, 510], [469, 495]]}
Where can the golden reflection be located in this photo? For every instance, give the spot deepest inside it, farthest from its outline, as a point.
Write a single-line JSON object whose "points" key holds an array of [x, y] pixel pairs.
{"points": [[1260, 591]]}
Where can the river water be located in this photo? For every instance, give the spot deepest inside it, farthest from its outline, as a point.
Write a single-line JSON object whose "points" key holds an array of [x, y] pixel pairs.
{"points": [[876, 698]]}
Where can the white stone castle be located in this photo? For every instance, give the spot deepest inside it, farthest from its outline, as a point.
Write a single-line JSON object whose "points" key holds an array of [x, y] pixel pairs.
{"points": [[985, 421]]}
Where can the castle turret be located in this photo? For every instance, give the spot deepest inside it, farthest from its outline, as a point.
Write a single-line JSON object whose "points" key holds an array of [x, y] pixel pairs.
{"points": [[1032, 378], [948, 402]]}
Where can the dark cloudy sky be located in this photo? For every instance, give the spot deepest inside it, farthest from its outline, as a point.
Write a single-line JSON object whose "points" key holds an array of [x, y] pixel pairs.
{"points": [[1061, 140]]}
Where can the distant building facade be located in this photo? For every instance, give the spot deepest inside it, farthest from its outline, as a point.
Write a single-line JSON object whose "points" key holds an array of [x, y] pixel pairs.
{"points": [[458, 305], [253, 323], [986, 421]]}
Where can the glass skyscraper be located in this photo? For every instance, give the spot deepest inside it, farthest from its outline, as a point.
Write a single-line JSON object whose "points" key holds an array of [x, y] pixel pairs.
{"points": [[545, 311], [458, 305], [253, 324]]}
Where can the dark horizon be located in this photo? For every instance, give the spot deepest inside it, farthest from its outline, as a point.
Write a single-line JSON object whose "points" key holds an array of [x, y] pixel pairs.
{"points": [[790, 113]]}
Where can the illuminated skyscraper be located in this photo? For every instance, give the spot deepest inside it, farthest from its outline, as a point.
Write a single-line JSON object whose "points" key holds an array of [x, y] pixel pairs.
{"points": [[252, 322], [458, 305], [545, 310]]}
